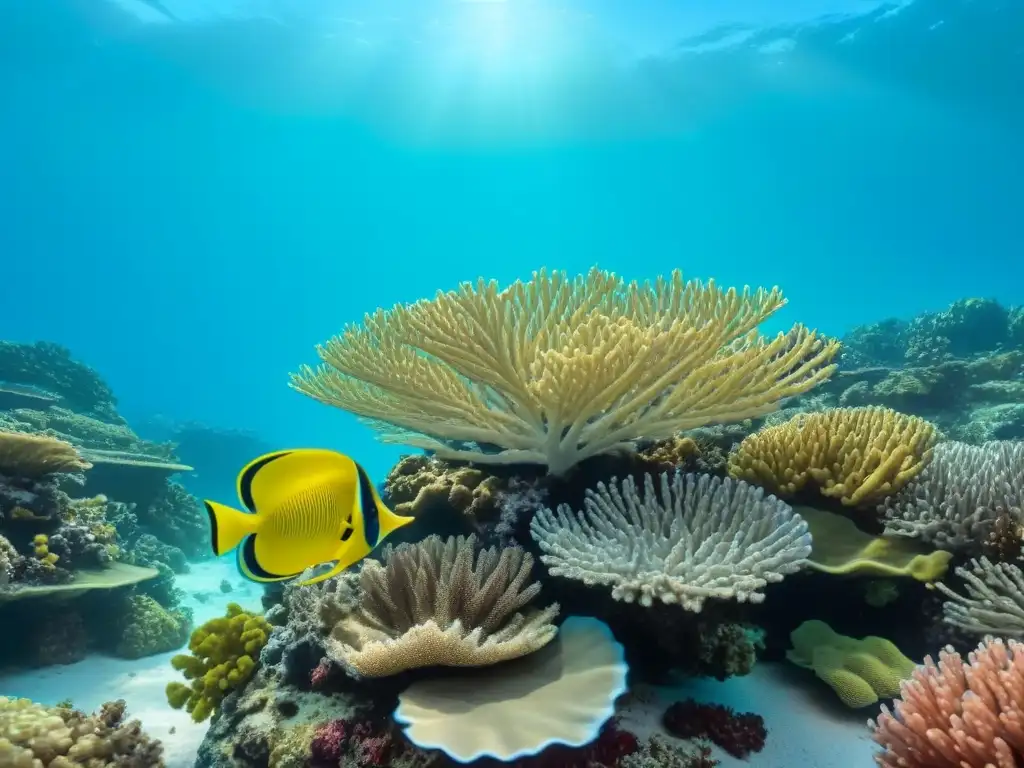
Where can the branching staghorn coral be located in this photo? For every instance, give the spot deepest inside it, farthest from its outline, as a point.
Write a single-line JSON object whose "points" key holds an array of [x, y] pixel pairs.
{"points": [[994, 603], [439, 603], [556, 369], [956, 502], [858, 455], [957, 715], [701, 537]]}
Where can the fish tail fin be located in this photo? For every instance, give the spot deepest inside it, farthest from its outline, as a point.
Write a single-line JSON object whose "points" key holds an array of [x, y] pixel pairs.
{"points": [[228, 526], [389, 521]]}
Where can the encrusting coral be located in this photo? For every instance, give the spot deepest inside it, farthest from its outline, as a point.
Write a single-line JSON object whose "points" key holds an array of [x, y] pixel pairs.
{"points": [[685, 540], [442, 603], [860, 671], [839, 547], [557, 369], [223, 653], [418, 483], [34, 736], [857, 455], [958, 715]]}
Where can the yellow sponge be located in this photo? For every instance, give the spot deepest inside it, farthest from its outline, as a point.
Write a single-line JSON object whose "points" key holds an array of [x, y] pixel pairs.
{"points": [[222, 659], [860, 671], [838, 546]]}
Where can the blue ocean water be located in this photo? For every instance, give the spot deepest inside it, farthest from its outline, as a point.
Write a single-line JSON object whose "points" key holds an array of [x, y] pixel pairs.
{"points": [[194, 196], [195, 193]]}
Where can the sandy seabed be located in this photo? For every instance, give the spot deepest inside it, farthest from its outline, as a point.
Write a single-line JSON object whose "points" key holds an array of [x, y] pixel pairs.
{"points": [[807, 726]]}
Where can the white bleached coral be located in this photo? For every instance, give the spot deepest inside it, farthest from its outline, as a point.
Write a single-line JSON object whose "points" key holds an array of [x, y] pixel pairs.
{"points": [[955, 502], [701, 537]]}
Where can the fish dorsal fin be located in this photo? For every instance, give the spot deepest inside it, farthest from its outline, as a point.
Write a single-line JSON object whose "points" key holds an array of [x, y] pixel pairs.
{"points": [[272, 480]]}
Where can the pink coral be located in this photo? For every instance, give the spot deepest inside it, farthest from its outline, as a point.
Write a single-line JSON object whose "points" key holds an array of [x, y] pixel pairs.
{"points": [[957, 715], [329, 742], [319, 675]]}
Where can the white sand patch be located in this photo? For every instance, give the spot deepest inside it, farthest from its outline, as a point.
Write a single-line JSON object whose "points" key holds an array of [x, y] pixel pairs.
{"points": [[807, 724]]}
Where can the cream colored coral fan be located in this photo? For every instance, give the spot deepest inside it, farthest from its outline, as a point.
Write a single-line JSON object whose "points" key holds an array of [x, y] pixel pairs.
{"points": [[562, 694], [556, 369], [37, 455], [437, 603], [857, 455]]}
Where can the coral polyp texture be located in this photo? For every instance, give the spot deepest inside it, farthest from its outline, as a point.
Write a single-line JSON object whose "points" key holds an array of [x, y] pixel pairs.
{"points": [[955, 714], [856, 455], [686, 539], [557, 369], [958, 500], [994, 602], [34, 736], [223, 657], [441, 603]]}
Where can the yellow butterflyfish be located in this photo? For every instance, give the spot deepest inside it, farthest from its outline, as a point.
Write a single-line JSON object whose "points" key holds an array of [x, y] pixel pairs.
{"points": [[305, 507]]}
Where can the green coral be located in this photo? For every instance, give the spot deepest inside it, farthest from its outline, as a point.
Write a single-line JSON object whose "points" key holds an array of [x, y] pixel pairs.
{"points": [[222, 659], [149, 628]]}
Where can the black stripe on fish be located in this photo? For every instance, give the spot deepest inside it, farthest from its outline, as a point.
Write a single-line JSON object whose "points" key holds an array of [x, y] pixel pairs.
{"points": [[347, 534], [245, 481], [257, 570], [213, 527], [371, 519]]}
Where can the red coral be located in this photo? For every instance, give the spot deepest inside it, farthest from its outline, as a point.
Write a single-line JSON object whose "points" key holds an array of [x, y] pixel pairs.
{"points": [[370, 744], [319, 675], [737, 734], [329, 742]]}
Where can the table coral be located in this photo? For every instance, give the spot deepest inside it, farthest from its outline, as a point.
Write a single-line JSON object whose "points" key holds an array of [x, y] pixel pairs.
{"points": [[223, 653]]}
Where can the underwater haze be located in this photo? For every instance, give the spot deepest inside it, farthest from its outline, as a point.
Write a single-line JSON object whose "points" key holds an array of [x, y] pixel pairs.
{"points": [[716, 528]]}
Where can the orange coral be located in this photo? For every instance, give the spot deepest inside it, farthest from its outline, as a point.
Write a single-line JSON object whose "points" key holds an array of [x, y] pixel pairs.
{"points": [[957, 715]]}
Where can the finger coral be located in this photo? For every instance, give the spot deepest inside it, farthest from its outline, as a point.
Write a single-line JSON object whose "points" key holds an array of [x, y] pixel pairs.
{"points": [[439, 603], [857, 455], [957, 501], [33, 736], [958, 715], [685, 540], [994, 602], [556, 369], [223, 653]]}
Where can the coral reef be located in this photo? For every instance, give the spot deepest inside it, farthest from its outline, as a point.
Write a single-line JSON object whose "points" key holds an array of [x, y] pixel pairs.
{"points": [[33, 736], [223, 653]]}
